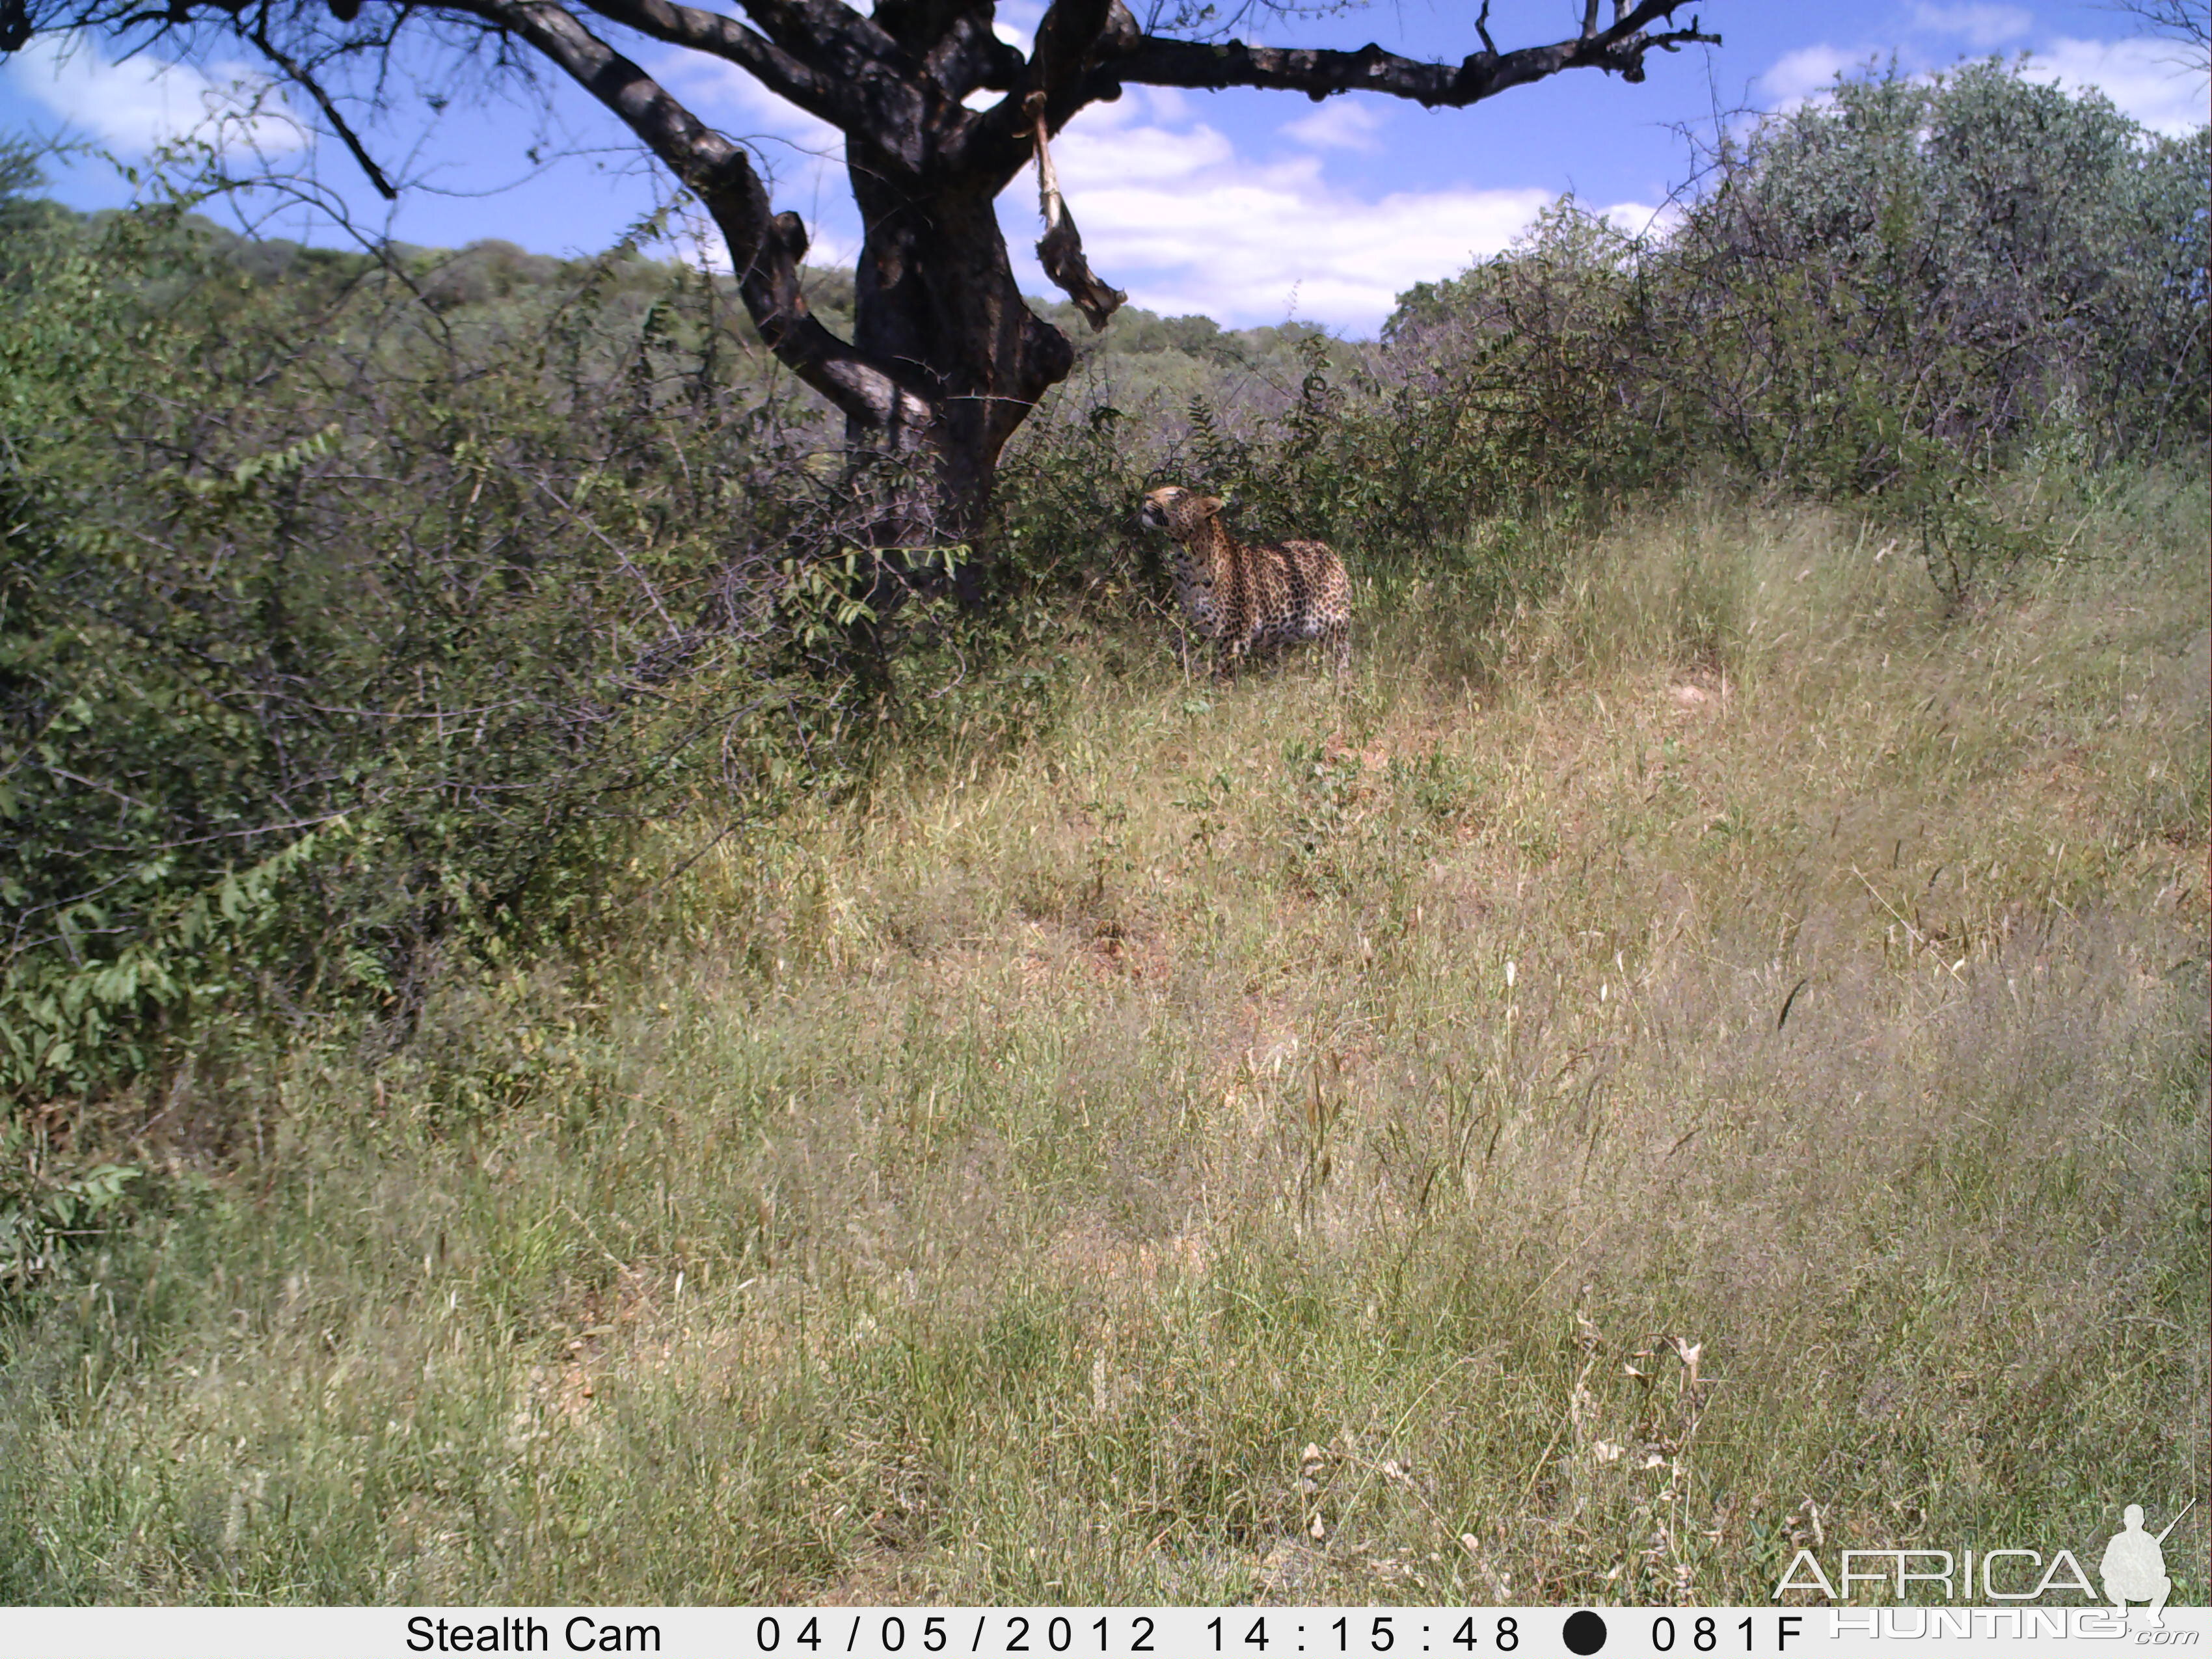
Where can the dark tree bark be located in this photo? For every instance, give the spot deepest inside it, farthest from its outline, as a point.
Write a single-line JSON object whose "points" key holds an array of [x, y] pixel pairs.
{"points": [[945, 360]]}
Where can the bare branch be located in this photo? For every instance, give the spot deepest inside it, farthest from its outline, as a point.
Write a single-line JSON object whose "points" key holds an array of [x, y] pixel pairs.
{"points": [[1618, 49], [1065, 38], [298, 72], [780, 72], [968, 56], [2185, 22]]}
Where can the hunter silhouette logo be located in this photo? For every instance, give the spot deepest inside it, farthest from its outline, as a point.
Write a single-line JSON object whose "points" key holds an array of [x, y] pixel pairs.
{"points": [[2134, 1567]]}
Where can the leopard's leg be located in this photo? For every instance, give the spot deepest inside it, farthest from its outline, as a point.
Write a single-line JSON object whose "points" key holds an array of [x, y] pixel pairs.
{"points": [[1234, 648], [1337, 637]]}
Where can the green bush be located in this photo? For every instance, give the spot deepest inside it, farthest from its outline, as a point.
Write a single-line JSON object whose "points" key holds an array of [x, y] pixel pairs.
{"points": [[371, 638], [1965, 261], [1897, 292]]}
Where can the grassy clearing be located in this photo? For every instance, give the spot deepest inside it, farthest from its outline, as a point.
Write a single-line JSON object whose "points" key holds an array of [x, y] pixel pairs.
{"points": [[1277, 1141]]}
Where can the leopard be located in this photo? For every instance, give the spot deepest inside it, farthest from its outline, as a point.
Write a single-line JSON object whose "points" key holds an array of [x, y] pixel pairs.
{"points": [[1244, 597]]}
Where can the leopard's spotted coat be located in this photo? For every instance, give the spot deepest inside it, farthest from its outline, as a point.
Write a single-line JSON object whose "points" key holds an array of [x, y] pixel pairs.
{"points": [[1244, 597]]}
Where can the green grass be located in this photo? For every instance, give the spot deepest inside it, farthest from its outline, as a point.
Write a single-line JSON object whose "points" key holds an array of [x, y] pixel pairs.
{"points": [[1275, 1140]]}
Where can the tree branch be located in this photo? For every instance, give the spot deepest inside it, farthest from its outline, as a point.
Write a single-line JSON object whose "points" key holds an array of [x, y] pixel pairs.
{"points": [[1078, 41], [835, 36], [1618, 50], [298, 72], [832, 61], [765, 248], [779, 70], [1065, 36], [2181, 21], [968, 56]]}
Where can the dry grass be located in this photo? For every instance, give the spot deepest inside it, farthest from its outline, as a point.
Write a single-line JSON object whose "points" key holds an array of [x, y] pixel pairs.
{"points": [[1276, 1140]]}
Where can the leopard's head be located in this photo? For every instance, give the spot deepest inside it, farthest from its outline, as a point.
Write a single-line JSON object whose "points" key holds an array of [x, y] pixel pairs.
{"points": [[1182, 513]]}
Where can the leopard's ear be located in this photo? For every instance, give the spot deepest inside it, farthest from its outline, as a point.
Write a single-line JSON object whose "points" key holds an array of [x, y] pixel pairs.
{"points": [[1210, 504]]}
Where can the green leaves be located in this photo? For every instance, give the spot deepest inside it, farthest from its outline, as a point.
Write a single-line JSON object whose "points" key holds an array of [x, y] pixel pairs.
{"points": [[347, 638], [43, 1213], [259, 470]]}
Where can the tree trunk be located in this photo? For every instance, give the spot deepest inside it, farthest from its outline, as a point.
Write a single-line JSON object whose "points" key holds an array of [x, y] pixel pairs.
{"points": [[935, 294]]}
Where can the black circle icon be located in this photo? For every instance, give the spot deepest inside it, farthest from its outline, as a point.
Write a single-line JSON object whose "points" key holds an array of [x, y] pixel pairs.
{"points": [[1585, 1632]]}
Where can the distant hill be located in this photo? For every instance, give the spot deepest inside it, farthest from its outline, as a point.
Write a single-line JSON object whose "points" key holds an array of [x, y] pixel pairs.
{"points": [[1142, 359]]}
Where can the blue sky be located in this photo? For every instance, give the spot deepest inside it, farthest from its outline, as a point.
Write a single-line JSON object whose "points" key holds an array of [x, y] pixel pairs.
{"points": [[1249, 206]]}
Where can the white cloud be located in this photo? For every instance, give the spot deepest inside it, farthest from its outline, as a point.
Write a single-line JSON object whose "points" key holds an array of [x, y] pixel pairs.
{"points": [[1642, 219], [1980, 25], [1806, 73], [142, 102], [1176, 216], [1165, 103], [2140, 75], [1340, 124]]}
